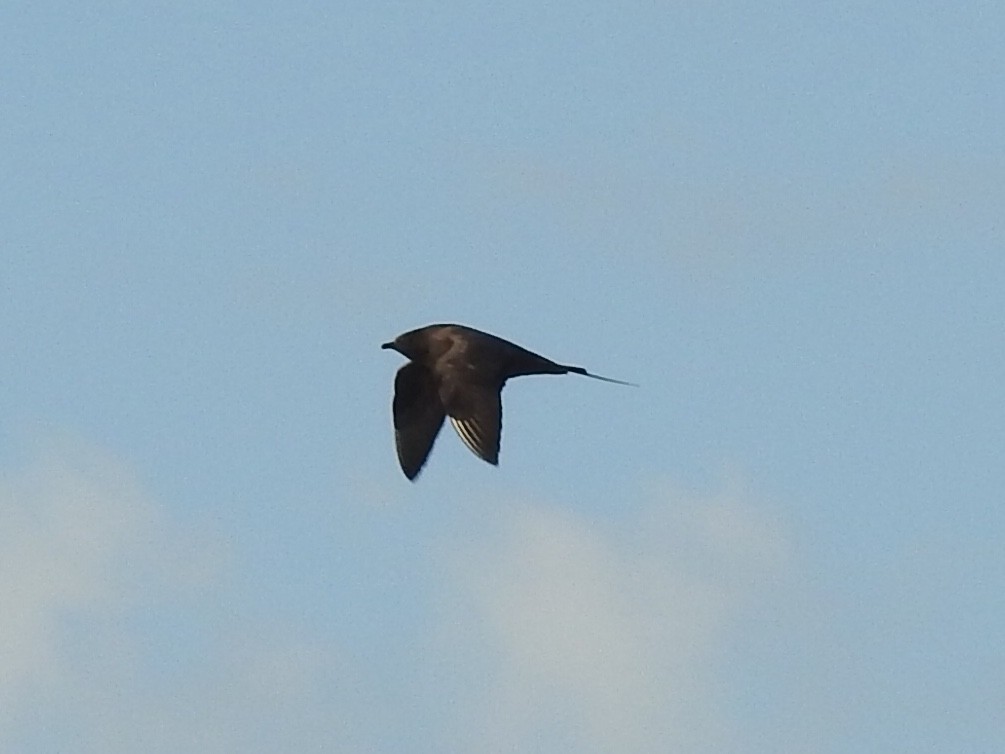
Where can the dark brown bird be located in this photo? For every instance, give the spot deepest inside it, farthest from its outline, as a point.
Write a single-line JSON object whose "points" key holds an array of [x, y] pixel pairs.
{"points": [[459, 372]]}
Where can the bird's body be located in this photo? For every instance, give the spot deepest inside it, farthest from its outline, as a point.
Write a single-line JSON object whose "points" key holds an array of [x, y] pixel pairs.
{"points": [[459, 372]]}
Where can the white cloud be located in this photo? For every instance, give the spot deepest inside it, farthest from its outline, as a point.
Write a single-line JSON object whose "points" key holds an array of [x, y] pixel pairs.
{"points": [[600, 636], [123, 631], [118, 632], [68, 544]]}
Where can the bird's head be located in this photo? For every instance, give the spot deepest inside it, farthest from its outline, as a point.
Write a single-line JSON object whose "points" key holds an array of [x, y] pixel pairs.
{"points": [[408, 345]]}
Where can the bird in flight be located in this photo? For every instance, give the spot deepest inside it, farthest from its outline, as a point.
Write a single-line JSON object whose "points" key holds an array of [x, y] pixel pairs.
{"points": [[459, 372]]}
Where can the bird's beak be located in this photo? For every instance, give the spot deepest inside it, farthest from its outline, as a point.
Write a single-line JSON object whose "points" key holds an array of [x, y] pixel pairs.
{"points": [[387, 345]]}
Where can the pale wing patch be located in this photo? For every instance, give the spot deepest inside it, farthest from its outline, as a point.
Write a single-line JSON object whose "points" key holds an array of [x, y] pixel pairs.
{"points": [[472, 435], [475, 412]]}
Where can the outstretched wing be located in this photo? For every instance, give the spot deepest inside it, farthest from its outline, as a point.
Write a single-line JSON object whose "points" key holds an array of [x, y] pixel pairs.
{"points": [[418, 416], [475, 411]]}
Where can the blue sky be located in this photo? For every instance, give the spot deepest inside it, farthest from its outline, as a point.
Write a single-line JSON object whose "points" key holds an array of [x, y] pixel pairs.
{"points": [[783, 220]]}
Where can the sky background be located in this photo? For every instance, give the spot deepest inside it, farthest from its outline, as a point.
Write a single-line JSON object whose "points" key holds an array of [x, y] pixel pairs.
{"points": [[782, 219]]}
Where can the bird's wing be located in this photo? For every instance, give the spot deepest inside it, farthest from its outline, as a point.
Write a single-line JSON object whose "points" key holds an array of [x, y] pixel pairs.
{"points": [[418, 416], [475, 410]]}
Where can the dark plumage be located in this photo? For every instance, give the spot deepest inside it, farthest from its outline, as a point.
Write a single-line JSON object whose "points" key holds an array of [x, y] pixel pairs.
{"points": [[459, 372]]}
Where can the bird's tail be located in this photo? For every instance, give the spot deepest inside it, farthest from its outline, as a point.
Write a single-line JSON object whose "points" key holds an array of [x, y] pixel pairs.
{"points": [[580, 370]]}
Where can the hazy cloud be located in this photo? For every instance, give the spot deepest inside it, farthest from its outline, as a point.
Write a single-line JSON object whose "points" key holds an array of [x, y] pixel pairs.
{"points": [[74, 540], [602, 635], [119, 631]]}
